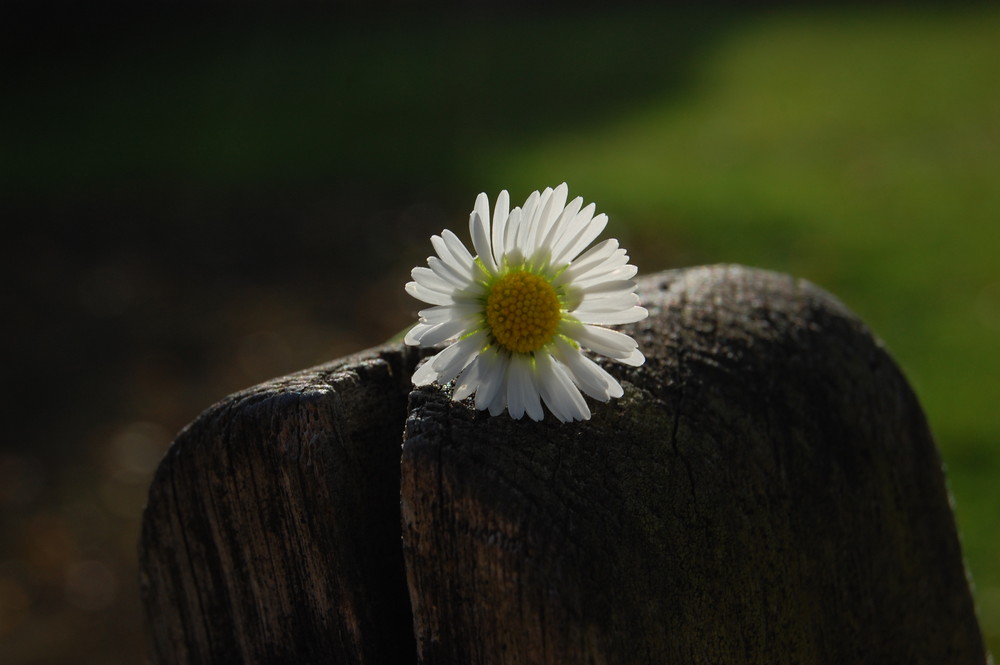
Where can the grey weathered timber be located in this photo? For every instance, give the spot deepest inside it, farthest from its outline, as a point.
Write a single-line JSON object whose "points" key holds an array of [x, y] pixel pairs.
{"points": [[271, 532], [767, 491]]}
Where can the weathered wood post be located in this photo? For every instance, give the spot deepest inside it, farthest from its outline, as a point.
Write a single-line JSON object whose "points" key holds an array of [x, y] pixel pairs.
{"points": [[767, 491]]}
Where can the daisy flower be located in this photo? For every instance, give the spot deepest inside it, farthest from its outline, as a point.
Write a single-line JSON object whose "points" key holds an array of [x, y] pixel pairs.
{"points": [[519, 313]]}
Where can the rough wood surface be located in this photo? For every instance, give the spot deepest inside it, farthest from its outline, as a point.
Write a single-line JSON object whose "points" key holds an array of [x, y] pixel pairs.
{"points": [[271, 533], [767, 491]]}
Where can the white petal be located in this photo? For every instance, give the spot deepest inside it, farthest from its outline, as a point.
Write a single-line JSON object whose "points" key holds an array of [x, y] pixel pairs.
{"points": [[435, 315], [610, 289], [588, 375], [431, 280], [590, 231], [597, 270], [448, 273], [617, 302], [427, 295], [532, 398], [510, 234], [457, 357], [613, 318], [529, 217], [500, 213], [518, 386], [553, 208], [606, 302], [573, 229], [595, 256], [601, 274], [493, 370], [461, 262], [492, 393], [515, 404], [601, 295], [561, 396], [458, 249], [522, 393], [582, 370], [635, 359], [446, 330], [548, 386], [416, 333], [528, 209], [560, 226], [482, 208], [479, 227], [574, 226], [468, 380], [426, 373], [499, 403], [610, 343]]}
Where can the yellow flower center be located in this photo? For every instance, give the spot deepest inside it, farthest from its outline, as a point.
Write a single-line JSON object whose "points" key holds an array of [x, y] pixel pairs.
{"points": [[522, 312]]}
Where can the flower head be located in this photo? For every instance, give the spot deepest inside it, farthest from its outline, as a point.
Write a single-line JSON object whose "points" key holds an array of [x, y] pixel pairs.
{"points": [[519, 314]]}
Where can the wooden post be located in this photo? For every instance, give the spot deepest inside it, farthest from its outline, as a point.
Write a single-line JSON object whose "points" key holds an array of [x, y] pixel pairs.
{"points": [[271, 533], [767, 491]]}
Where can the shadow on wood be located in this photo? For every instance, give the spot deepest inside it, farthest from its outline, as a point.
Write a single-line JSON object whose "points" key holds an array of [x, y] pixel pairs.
{"points": [[767, 491], [271, 533]]}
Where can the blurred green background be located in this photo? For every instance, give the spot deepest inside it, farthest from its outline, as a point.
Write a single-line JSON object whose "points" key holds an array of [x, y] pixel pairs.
{"points": [[199, 206]]}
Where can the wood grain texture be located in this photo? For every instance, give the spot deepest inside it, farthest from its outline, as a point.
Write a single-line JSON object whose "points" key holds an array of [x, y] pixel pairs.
{"points": [[271, 533], [767, 491]]}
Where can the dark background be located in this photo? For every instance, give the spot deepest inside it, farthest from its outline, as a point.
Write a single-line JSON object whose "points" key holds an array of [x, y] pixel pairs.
{"points": [[200, 199]]}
